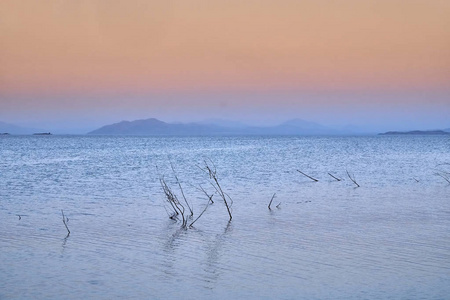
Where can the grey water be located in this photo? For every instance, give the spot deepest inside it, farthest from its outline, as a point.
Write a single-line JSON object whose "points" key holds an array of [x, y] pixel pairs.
{"points": [[387, 239]]}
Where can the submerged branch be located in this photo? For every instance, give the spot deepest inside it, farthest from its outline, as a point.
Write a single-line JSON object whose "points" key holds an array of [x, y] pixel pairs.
{"points": [[181, 189], [338, 179], [352, 179], [444, 176], [206, 207], [271, 201], [173, 200], [215, 183], [65, 221], [307, 176]]}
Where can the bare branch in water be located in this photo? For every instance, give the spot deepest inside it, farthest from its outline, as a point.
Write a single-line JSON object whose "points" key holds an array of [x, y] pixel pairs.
{"points": [[206, 207], [352, 179], [271, 201], [211, 171], [181, 189], [444, 176], [173, 200], [201, 189], [338, 179], [65, 220], [307, 176]]}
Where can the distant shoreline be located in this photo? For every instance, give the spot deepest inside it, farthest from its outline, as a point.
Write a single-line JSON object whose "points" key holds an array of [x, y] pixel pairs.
{"points": [[417, 132]]}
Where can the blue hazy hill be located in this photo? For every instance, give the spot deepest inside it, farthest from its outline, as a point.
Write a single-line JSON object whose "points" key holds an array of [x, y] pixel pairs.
{"points": [[14, 129], [154, 126]]}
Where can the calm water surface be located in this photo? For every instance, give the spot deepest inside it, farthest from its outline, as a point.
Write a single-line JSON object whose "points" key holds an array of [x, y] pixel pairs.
{"points": [[388, 239]]}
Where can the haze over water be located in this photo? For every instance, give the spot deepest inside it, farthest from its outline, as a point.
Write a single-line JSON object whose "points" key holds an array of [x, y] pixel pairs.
{"points": [[389, 238]]}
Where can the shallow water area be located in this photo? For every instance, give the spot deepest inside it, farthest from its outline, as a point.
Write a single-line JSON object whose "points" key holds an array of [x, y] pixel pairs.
{"points": [[388, 238]]}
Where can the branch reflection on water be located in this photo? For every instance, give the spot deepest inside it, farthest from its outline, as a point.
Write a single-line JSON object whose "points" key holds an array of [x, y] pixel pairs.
{"points": [[194, 244]]}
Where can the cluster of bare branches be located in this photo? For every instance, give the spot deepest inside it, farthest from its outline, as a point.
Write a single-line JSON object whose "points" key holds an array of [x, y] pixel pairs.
{"points": [[177, 207], [172, 199]]}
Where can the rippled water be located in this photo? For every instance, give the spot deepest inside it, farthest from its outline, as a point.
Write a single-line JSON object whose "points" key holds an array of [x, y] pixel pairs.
{"points": [[389, 238]]}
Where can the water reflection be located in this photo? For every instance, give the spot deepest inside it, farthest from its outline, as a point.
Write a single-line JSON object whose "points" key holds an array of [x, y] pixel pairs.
{"points": [[214, 253], [196, 252], [63, 246]]}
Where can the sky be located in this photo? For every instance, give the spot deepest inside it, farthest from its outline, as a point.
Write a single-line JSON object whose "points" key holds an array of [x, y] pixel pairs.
{"points": [[77, 65]]}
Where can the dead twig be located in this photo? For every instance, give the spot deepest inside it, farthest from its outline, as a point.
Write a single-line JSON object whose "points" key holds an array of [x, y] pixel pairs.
{"points": [[206, 207], [307, 176], [65, 221], [181, 189], [271, 201], [444, 176], [338, 179], [174, 202], [212, 172], [352, 179]]}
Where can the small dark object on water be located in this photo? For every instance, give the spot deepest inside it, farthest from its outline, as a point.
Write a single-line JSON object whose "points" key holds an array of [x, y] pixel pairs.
{"points": [[338, 179], [65, 220], [308, 176], [352, 179], [271, 200]]}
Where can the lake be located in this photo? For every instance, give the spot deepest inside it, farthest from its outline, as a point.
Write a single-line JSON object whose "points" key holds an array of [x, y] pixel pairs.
{"points": [[387, 239]]}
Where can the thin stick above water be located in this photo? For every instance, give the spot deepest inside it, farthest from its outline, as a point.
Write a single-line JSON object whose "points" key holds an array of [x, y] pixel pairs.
{"points": [[271, 201], [446, 178], [352, 179], [65, 220], [338, 179], [307, 176]]}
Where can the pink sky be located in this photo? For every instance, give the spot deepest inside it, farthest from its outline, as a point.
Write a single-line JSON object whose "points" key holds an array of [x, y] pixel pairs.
{"points": [[162, 58]]}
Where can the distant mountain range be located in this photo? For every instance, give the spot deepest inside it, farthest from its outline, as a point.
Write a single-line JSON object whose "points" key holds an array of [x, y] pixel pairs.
{"points": [[156, 127], [14, 129]]}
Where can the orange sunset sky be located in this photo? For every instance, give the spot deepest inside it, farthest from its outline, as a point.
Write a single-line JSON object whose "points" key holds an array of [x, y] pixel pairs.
{"points": [[341, 62]]}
